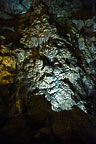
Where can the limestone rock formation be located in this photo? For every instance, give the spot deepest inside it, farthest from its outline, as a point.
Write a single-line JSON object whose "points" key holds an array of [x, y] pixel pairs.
{"points": [[7, 66], [55, 58], [58, 64], [48, 73], [61, 8], [9, 8]]}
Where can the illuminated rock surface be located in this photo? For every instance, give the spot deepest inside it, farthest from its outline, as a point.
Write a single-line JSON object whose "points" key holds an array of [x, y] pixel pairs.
{"points": [[7, 66], [48, 78], [59, 67], [56, 58], [58, 63]]}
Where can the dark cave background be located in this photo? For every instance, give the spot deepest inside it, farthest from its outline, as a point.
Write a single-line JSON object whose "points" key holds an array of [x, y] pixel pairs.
{"points": [[48, 71]]}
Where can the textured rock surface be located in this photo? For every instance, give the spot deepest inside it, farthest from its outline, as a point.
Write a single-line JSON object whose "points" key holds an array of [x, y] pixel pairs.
{"points": [[62, 69], [15, 6], [55, 58], [48, 63], [7, 66], [61, 8], [9, 8], [64, 7]]}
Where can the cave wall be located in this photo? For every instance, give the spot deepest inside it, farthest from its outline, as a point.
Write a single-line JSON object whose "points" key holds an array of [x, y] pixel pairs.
{"points": [[58, 7], [8, 8], [15, 6]]}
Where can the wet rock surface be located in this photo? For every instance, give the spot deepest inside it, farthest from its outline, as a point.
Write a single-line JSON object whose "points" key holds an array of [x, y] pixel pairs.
{"points": [[48, 78]]}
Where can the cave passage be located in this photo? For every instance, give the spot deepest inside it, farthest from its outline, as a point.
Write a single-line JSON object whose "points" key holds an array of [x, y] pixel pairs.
{"points": [[48, 71]]}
